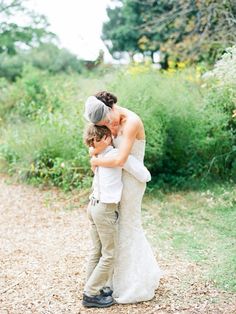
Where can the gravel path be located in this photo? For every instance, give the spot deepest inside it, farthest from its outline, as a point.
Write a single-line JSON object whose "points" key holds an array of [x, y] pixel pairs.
{"points": [[43, 253]]}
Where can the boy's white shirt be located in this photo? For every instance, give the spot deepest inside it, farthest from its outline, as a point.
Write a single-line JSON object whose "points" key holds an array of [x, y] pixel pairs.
{"points": [[107, 182]]}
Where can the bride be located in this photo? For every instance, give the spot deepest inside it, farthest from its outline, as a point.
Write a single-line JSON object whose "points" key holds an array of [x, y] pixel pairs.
{"points": [[136, 272]]}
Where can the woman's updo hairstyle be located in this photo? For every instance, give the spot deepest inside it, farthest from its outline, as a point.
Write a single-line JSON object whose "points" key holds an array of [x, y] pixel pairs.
{"points": [[107, 98]]}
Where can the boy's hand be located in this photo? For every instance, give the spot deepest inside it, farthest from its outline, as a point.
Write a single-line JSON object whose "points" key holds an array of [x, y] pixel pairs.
{"points": [[93, 169], [101, 145], [91, 151]]}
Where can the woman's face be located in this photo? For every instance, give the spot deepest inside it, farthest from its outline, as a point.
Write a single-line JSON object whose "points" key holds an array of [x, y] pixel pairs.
{"points": [[111, 121]]}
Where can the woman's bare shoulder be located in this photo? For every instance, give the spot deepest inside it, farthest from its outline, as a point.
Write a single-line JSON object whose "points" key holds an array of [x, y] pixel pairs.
{"points": [[132, 121], [133, 125], [133, 117]]}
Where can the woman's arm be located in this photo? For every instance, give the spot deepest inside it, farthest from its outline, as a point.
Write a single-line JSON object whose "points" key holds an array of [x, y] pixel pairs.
{"points": [[129, 135]]}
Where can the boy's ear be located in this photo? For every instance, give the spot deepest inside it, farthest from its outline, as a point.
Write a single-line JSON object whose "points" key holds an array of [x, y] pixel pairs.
{"points": [[92, 143]]}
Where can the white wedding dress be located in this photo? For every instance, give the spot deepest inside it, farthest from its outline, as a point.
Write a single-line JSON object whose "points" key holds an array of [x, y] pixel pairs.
{"points": [[136, 272]]}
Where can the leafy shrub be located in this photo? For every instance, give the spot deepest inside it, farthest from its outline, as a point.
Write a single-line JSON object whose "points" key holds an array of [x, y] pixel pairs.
{"points": [[221, 101], [34, 100], [47, 142], [37, 95], [134, 93], [51, 153], [168, 107]]}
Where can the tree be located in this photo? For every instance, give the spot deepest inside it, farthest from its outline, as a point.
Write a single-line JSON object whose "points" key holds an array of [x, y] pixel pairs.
{"points": [[192, 30], [122, 32], [12, 35], [117, 34]]}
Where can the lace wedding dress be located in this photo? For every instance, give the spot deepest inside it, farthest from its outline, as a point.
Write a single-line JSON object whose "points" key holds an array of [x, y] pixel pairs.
{"points": [[136, 272]]}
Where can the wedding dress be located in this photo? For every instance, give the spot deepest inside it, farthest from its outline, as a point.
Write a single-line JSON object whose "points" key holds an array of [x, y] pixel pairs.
{"points": [[136, 272]]}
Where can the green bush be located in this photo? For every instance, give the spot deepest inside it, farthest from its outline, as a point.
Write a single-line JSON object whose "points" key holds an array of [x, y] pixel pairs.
{"points": [[46, 57], [189, 127], [11, 66], [41, 139], [53, 59], [4, 94], [169, 108], [134, 93]]}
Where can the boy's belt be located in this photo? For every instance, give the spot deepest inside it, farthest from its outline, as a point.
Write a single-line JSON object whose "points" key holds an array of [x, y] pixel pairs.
{"points": [[94, 201]]}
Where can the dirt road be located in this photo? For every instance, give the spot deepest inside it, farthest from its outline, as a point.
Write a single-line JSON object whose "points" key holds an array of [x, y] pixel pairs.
{"points": [[43, 252]]}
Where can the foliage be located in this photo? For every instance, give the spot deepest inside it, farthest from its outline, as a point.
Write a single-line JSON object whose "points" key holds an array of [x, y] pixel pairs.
{"points": [[222, 99], [52, 153], [195, 30], [42, 130], [5, 90], [121, 33], [189, 127], [45, 57], [50, 57], [13, 34], [10, 67], [30, 97]]}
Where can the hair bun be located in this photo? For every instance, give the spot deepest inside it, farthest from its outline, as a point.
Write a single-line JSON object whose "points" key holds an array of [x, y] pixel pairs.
{"points": [[107, 98]]}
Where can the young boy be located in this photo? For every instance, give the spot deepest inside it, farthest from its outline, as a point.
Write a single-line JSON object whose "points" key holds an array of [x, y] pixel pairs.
{"points": [[103, 213]]}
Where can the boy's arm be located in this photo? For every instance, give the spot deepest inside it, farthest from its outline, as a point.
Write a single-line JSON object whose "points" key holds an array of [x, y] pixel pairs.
{"points": [[134, 167]]}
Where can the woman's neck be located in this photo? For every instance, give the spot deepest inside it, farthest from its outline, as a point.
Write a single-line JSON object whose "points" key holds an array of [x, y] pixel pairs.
{"points": [[123, 114]]}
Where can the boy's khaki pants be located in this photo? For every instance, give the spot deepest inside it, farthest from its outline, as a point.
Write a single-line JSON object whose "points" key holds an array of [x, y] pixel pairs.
{"points": [[103, 219]]}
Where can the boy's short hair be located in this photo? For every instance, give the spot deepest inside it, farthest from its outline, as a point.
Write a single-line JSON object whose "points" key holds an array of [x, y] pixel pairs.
{"points": [[95, 132]]}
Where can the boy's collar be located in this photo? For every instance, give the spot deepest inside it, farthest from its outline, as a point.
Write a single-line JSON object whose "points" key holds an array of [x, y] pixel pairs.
{"points": [[106, 150]]}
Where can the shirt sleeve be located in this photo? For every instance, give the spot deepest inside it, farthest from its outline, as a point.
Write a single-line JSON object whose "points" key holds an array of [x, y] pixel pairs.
{"points": [[137, 169], [134, 167]]}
